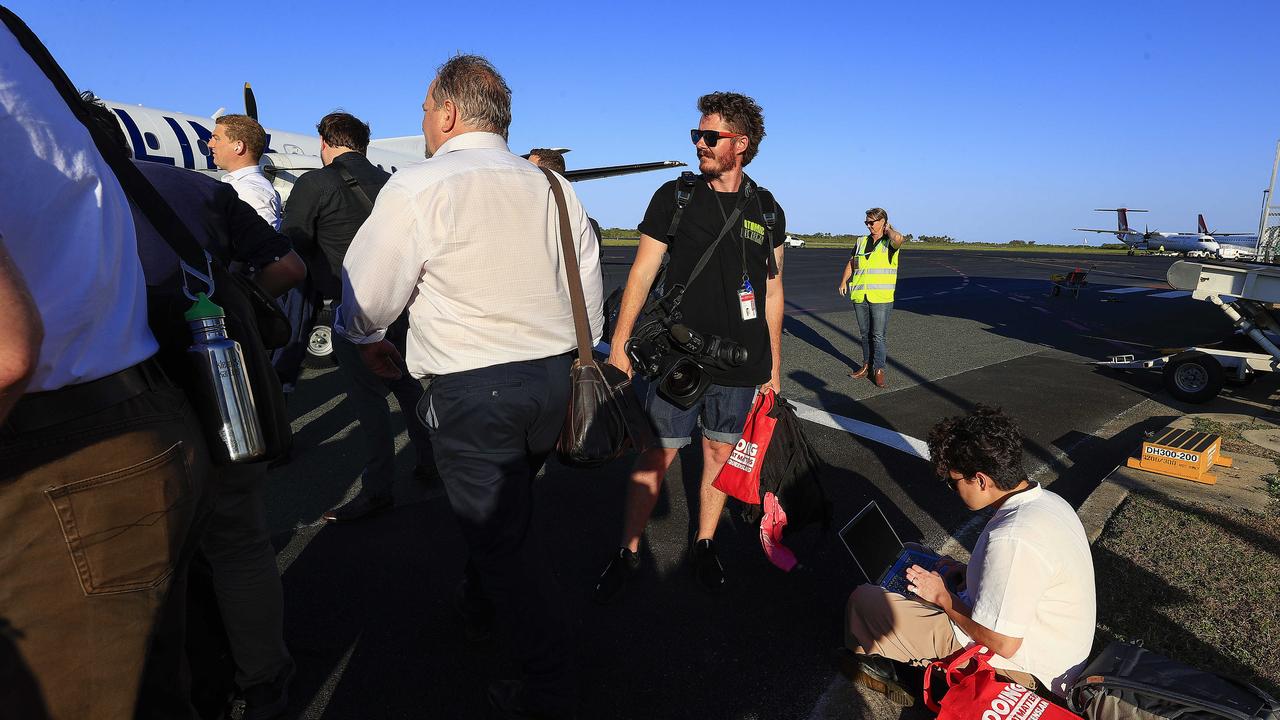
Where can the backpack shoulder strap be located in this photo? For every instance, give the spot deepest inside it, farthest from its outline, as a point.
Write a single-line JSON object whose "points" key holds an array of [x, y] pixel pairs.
{"points": [[354, 186], [769, 211], [684, 192]]}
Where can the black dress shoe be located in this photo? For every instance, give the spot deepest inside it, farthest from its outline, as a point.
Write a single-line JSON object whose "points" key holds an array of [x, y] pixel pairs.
{"points": [[507, 702], [707, 567], [359, 508], [610, 583], [266, 701], [881, 675]]}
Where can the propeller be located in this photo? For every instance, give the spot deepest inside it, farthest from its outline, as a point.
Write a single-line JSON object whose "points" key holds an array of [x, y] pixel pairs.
{"points": [[250, 103]]}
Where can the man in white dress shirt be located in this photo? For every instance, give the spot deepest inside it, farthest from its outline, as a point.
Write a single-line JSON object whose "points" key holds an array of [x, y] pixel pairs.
{"points": [[469, 240], [236, 145]]}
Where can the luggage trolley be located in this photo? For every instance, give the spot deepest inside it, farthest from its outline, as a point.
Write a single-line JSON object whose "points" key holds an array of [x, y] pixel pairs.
{"points": [[1247, 294], [1071, 282]]}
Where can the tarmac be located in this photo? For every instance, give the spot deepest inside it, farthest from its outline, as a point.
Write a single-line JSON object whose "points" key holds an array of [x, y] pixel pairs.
{"points": [[368, 611]]}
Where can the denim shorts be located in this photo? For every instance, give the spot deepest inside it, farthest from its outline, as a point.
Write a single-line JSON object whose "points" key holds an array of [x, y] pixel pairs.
{"points": [[721, 412]]}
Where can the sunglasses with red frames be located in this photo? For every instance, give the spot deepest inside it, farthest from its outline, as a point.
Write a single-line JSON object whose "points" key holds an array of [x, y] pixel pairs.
{"points": [[711, 137]]}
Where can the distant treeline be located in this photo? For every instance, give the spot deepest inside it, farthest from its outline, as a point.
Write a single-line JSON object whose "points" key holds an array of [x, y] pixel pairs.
{"points": [[828, 239]]}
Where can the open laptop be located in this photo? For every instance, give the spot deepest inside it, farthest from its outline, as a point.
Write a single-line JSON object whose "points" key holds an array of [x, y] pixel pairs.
{"points": [[878, 552]]}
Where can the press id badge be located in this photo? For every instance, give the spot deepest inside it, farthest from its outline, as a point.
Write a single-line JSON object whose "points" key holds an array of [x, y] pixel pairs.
{"points": [[747, 300]]}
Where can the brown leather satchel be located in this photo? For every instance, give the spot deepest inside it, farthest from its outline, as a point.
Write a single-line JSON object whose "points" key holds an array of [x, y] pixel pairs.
{"points": [[605, 419]]}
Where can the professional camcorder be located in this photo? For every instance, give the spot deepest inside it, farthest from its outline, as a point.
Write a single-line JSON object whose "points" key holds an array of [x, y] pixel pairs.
{"points": [[676, 357]]}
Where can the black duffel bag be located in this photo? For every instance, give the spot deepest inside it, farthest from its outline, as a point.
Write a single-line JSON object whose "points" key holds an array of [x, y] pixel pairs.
{"points": [[1129, 682]]}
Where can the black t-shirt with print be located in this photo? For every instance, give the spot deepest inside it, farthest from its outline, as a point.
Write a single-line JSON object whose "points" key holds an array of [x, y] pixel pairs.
{"points": [[711, 304]]}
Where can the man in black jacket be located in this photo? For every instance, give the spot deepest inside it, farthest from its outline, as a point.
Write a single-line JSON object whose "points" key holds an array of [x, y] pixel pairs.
{"points": [[325, 209]]}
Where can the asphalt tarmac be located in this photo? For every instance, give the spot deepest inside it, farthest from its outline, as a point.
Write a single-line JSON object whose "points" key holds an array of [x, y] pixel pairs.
{"points": [[369, 615]]}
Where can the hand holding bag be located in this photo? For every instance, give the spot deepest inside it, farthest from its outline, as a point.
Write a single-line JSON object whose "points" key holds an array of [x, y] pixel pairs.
{"points": [[605, 419], [740, 476], [975, 693]]}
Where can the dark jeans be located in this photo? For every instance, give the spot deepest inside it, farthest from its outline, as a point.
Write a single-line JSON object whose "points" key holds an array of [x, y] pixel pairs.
{"points": [[873, 320], [368, 393], [492, 430], [238, 547], [99, 515]]}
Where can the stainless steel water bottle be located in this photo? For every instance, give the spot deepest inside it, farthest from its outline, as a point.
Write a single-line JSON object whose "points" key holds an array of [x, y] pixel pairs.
{"points": [[220, 366]]}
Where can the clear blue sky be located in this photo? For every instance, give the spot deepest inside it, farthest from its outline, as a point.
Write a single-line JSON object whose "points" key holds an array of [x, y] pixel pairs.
{"points": [[992, 121]]}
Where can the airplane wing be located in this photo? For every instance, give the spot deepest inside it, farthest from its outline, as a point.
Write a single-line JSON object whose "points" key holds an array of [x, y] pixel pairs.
{"points": [[1108, 232], [614, 170], [1218, 234], [407, 144]]}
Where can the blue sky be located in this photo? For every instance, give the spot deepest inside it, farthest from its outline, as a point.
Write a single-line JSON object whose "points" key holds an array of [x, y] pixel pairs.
{"points": [[992, 121]]}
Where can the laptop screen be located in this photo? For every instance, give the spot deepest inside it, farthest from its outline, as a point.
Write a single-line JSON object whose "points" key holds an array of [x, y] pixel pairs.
{"points": [[872, 542]]}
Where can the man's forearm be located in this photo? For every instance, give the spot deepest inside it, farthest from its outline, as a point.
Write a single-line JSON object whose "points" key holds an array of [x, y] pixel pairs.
{"points": [[774, 313], [1000, 644], [639, 281]]}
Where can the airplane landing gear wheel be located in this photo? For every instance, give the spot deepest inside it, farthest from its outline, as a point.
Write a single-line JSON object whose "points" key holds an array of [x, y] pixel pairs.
{"points": [[1193, 376]]}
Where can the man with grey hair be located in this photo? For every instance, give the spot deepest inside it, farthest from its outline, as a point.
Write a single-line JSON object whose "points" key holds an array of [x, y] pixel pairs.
{"points": [[494, 357]]}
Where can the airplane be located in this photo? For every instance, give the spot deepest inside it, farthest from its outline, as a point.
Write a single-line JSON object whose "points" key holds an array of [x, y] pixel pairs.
{"points": [[1230, 245], [180, 139], [1155, 240]]}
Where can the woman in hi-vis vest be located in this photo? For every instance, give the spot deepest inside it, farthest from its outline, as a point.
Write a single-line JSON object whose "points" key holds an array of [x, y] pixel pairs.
{"points": [[869, 278]]}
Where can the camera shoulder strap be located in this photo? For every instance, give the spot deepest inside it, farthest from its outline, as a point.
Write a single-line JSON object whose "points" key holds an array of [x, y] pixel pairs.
{"points": [[745, 193]]}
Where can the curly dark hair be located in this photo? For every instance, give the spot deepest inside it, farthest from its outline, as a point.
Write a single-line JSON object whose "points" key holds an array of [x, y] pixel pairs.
{"points": [[985, 440], [741, 113]]}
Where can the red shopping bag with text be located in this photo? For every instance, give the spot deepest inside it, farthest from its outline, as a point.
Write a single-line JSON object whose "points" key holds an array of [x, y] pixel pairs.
{"points": [[975, 693], [740, 476]]}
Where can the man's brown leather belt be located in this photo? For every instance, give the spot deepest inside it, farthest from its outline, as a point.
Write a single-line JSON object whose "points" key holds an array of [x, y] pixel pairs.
{"points": [[40, 410]]}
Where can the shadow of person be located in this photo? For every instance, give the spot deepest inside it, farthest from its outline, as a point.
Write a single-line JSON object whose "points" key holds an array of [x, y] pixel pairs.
{"points": [[20, 694]]}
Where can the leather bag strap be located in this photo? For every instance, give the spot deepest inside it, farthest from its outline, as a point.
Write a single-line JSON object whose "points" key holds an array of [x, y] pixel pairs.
{"points": [[576, 297]]}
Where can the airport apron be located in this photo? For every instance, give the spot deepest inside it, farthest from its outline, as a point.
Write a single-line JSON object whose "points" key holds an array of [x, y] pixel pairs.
{"points": [[876, 274]]}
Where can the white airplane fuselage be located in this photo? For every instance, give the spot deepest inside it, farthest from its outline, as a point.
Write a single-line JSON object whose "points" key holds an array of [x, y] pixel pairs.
{"points": [[1171, 242], [178, 139]]}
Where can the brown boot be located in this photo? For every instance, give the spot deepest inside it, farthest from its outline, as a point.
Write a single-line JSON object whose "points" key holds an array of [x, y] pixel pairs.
{"points": [[860, 372], [877, 377]]}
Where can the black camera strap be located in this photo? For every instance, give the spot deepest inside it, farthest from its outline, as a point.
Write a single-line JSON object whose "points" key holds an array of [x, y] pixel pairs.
{"points": [[354, 186], [744, 194]]}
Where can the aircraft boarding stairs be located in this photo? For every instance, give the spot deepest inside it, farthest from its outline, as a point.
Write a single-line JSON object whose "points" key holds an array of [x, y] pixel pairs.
{"points": [[1249, 295]]}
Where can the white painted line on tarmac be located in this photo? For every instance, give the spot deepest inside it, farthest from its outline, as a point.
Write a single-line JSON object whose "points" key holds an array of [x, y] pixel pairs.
{"points": [[875, 433], [1016, 299], [1124, 290], [1046, 311], [913, 297], [1172, 294]]}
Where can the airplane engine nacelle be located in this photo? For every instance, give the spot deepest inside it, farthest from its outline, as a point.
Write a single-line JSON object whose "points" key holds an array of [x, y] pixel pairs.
{"points": [[284, 169]]}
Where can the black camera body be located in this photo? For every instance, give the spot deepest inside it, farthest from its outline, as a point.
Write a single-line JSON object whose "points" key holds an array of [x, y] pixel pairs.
{"points": [[676, 357]]}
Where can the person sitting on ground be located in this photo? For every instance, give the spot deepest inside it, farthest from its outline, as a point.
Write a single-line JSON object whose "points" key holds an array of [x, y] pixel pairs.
{"points": [[1027, 592]]}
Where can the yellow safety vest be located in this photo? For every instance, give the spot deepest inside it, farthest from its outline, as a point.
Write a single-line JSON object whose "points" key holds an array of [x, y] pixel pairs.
{"points": [[877, 272]]}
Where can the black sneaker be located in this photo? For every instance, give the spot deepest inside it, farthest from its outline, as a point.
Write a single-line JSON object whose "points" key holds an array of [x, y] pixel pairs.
{"points": [[707, 567], [614, 578], [265, 701], [881, 675]]}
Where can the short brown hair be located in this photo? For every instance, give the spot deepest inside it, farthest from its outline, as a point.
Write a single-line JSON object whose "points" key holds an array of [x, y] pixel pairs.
{"points": [[878, 214], [242, 128], [741, 113], [551, 159], [341, 129]]}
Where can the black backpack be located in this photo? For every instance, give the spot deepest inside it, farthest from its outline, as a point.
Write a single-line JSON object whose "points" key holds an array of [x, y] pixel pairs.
{"points": [[792, 472], [1129, 682]]}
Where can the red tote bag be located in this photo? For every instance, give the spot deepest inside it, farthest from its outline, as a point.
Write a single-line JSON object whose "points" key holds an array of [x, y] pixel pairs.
{"points": [[740, 476], [975, 693]]}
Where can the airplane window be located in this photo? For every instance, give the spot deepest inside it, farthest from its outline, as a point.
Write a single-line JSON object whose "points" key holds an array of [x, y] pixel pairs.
{"points": [[204, 147], [153, 142]]}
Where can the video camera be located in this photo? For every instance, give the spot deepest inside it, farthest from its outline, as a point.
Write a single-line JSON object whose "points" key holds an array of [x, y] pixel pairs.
{"points": [[676, 357]]}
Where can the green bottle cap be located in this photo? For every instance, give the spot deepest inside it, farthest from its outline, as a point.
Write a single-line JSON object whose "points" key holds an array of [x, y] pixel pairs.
{"points": [[204, 308]]}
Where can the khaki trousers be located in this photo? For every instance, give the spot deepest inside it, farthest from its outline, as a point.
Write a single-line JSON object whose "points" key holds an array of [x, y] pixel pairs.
{"points": [[878, 622], [95, 513]]}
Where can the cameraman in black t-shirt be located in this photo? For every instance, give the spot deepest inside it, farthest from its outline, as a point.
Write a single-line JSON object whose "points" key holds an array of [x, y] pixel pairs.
{"points": [[737, 296]]}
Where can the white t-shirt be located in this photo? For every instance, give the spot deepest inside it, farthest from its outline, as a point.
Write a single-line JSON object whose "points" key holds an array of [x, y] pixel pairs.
{"points": [[68, 227], [1031, 577]]}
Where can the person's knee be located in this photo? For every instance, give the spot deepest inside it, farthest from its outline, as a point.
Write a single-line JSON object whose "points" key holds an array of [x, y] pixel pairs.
{"points": [[651, 465], [716, 451]]}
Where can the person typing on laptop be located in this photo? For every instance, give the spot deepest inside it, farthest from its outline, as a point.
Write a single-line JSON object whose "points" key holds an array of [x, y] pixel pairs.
{"points": [[1028, 590]]}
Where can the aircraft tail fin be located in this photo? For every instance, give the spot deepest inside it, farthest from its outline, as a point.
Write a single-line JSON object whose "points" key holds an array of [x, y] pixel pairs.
{"points": [[1204, 228], [1122, 217]]}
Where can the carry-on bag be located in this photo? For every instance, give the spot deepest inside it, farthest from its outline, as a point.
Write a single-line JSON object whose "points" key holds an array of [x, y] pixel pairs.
{"points": [[975, 693], [1129, 682]]}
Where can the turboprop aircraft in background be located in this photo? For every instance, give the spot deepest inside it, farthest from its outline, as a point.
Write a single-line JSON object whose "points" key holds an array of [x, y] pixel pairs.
{"points": [[180, 139], [1154, 239], [1230, 245]]}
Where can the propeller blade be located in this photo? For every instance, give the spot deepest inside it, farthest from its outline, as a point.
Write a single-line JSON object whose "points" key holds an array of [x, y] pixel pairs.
{"points": [[250, 103]]}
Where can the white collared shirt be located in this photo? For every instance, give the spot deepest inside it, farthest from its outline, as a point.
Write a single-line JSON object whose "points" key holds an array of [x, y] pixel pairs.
{"points": [[68, 227], [1031, 577], [469, 241], [254, 188]]}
